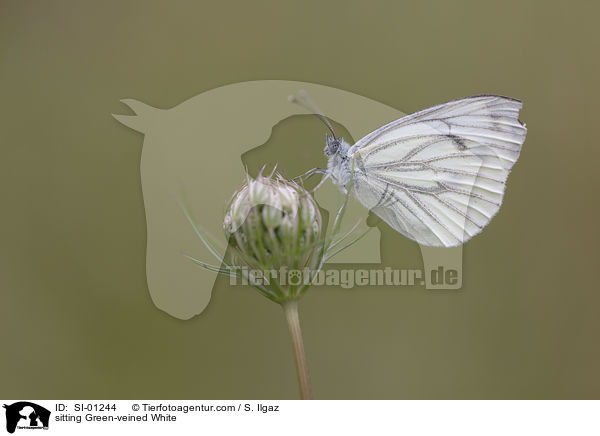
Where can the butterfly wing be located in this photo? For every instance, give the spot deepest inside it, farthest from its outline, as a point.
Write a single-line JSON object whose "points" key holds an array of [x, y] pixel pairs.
{"points": [[438, 176]]}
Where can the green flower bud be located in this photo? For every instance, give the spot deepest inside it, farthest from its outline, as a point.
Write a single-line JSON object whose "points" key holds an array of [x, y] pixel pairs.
{"points": [[274, 224]]}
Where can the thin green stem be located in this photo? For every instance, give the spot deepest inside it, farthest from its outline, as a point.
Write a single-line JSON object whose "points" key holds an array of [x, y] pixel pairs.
{"points": [[290, 309]]}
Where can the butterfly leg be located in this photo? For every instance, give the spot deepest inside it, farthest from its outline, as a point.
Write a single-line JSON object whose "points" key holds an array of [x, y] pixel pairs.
{"points": [[310, 173]]}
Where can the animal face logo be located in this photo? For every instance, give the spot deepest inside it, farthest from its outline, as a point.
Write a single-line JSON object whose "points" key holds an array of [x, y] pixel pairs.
{"points": [[24, 414], [193, 151]]}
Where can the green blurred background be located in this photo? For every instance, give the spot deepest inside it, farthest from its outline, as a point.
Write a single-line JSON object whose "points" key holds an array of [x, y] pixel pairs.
{"points": [[77, 320]]}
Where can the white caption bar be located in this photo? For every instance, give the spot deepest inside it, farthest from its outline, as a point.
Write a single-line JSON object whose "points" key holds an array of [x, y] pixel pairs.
{"points": [[283, 418]]}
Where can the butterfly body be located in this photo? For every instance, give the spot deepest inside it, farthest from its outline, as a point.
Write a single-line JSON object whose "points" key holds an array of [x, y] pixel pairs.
{"points": [[339, 163], [436, 176]]}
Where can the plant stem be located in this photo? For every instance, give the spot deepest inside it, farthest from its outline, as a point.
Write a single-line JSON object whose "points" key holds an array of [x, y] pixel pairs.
{"points": [[290, 308]]}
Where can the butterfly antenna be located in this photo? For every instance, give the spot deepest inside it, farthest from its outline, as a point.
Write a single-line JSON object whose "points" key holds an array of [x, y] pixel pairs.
{"points": [[306, 102]]}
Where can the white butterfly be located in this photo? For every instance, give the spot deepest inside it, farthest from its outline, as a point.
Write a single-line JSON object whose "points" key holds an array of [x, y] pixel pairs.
{"points": [[436, 176]]}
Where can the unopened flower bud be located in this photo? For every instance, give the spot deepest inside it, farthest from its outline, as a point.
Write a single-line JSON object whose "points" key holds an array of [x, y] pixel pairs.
{"points": [[273, 223]]}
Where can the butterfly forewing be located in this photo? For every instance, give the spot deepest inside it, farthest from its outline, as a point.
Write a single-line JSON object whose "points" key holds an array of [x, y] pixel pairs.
{"points": [[438, 176]]}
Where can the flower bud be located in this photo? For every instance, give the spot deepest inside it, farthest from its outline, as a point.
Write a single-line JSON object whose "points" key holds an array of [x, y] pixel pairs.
{"points": [[274, 224]]}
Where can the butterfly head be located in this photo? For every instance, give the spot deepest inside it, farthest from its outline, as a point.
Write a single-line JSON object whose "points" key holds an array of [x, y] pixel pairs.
{"points": [[332, 145]]}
